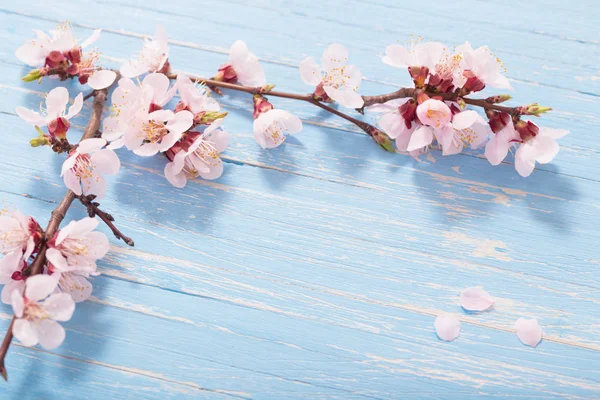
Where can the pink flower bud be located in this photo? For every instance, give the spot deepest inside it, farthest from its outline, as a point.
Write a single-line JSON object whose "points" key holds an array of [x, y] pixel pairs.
{"points": [[55, 59], [261, 105], [527, 129], [473, 84], [497, 120], [226, 74], [58, 128], [418, 75]]}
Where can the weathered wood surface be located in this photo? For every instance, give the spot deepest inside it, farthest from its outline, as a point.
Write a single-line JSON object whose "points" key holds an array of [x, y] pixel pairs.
{"points": [[314, 271]]}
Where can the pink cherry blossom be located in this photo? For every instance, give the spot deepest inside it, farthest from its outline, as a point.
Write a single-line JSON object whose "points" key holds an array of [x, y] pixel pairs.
{"points": [[152, 58], [36, 320], [157, 131], [497, 148], [398, 120], [447, 327], [198, 154], [243, 67], [466, 128], [528, 331], [195, 98], [483, 64], [541, 148], [77, 247], [83, 170], [55, 114], [337, 80], [62, 39], [475, 299], [434, 116], [11, 268], [271, 127]]}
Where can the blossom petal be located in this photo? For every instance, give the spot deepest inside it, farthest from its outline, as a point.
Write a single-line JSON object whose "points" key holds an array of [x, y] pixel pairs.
{"points": [[420, 138], [334, 56], [310, 72], [181, 122], [525, 159], [546, 149], [60, 306], [238, 52], [57, 259], [75, 107], [396, 56], [93, 37], [496, 150], [220, 139], [133, 68], [9, 288], [25, 332], [17, 302], [464, 120], [346, 97], [528, 331], [75, 286], [475, 299], [90, 145], [106, 161], [9, 264], [56, 102], [83, 227], [102, 79], [160, 86], [72, 181], [51, 334], [30, 116], [553, 133], [38, 287], [447, 327], [177, 179]]}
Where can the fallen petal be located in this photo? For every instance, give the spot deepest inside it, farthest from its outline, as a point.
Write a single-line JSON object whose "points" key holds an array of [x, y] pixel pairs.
{"points": [[475, 299], [528, 331], [447, 327]]}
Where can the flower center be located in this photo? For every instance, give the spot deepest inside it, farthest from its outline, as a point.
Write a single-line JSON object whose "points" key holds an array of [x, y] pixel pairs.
{"points": [[436, 116], [154, 131], [337, 77], [276, 132], [33, 311], [83, 168]]}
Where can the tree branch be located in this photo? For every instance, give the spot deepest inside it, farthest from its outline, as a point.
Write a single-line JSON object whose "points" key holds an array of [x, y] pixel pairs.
{"points": [[94, 210], [56, 218]]}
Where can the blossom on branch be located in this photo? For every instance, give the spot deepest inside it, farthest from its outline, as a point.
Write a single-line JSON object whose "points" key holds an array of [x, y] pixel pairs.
{"points": [[482, 65], [59, 54], [271, 126], [197, 155], [83, 169], [157, 131], [196, 98], [154, 56], [243, 67], [55, 115], [334, 80], [36, 320]]}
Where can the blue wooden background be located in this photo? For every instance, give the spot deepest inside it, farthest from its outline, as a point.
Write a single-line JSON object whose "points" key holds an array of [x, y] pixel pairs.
{"points": [[315, 271]]}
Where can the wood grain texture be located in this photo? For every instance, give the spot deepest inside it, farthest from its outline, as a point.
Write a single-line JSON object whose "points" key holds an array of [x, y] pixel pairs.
{"points": [[315, 270]]}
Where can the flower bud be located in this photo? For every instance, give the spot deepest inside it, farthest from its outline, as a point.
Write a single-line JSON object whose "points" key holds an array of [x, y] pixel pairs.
{"points": [[55, 59], [473, 83], [226, 74], [40, 141], [527, 129], [267, 88], [534, 109], [261, 105], [461, 103], [208, 117], [408, 111], [33, 75], [497, 120], [498, 99], [383, 140], [418, 75], [58, 128]]}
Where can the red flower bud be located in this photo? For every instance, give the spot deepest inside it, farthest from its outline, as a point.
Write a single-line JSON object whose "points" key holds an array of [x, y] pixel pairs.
{"points": [[473, 84], [527, 129], [261, 105], [226, 74], [54, 59], [408, 111], [497, 120], [418, 75], [74, 55], [58, 128]]}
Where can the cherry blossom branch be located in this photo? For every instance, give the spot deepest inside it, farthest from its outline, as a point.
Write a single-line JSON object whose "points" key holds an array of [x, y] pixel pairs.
{"points": [[381, 138], [57, 216], [94, 210]]}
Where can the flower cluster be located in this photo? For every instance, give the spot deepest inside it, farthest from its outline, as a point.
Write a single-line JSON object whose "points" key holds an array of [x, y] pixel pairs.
{"points": [[437, 111], [60, 55], [70, 257]]}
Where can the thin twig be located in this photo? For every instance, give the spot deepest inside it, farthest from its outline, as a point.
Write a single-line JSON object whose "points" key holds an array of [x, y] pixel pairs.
{"points": [[56, 218], [94, 210]]}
